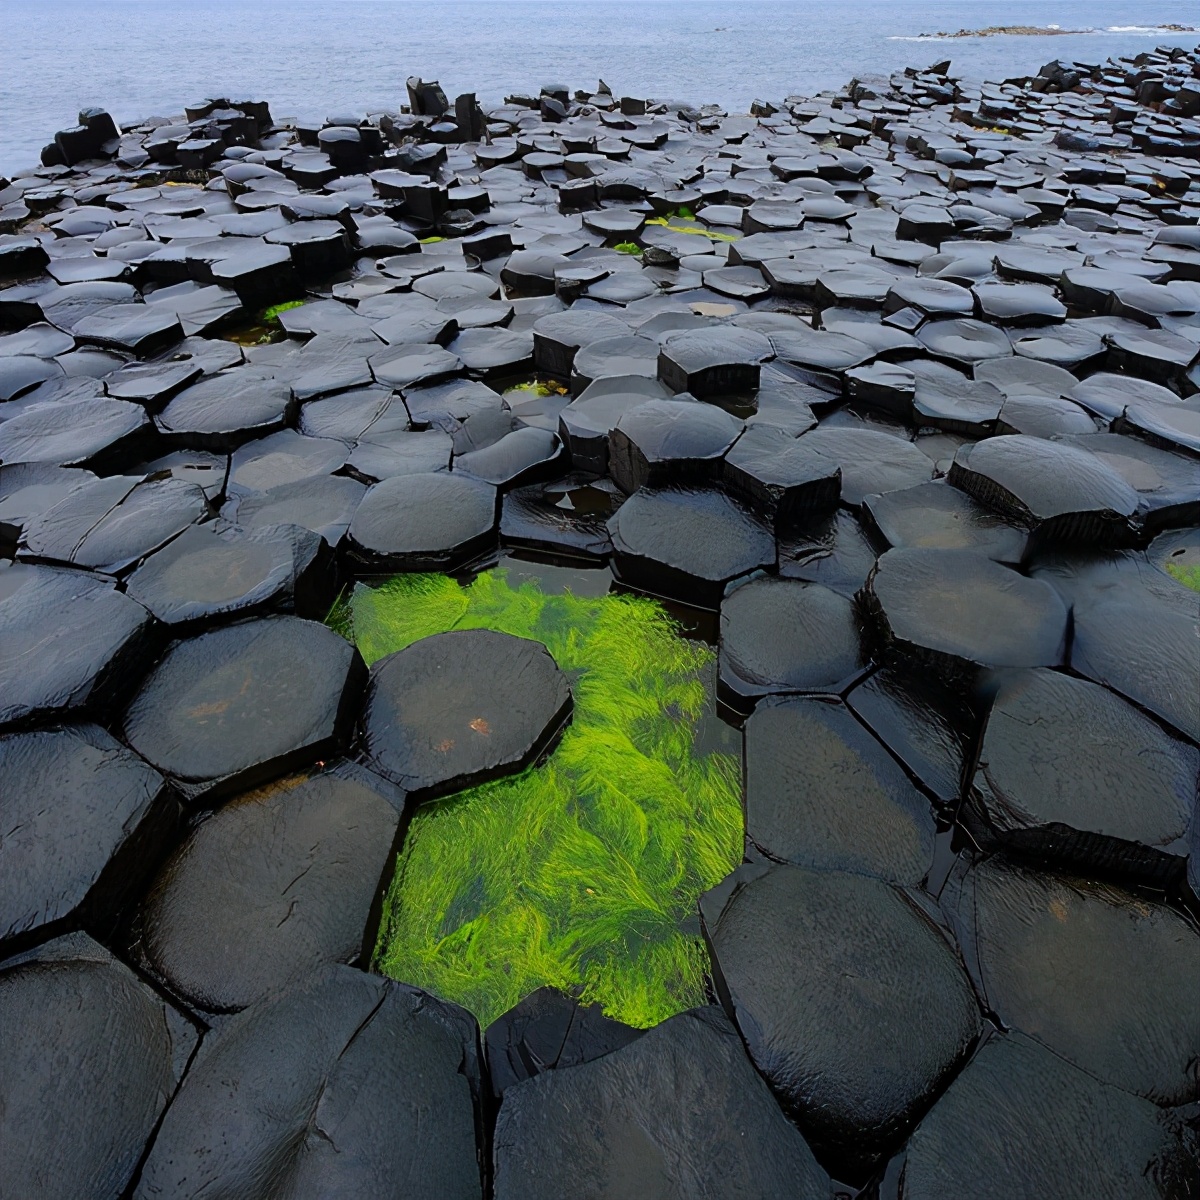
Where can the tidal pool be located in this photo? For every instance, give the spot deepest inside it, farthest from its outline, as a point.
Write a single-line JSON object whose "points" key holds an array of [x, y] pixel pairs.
{"points": [[583, 872]]}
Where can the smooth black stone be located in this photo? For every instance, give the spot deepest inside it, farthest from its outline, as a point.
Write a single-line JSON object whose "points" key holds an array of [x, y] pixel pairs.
{"points": [[141, 329], [557, 338], [29, 489], [820, 350], [932, 516], [111, 524], [1108, 395], [954, 611], [238, 706], [127, 1050], [1059, 492], [1044, 417], [870, 462], [424, 522], [84, 818], [585, 426], [614, 356], [92, 432], [494, 353], [677, 1114], [1025, 377], [222, 411], [1020, 1121], [716, 361], [833, 550], [351, 415], [270, 888], [1171, 426], [21, 373], [549, 1031], [404, 365], [963, 340], [567, 517], [284, 457], [1070, 774], [207, 574], [382, 455], [851, 1002], [152, 384], [325, 504], [1018, 304], [687, 544], [784, 635], [1103, 978], [662, 442], [68, 642], [351, 1085], [931, 297], [781, 476], [519, 457], [1069, 346], [460, 708], [822, 792]]}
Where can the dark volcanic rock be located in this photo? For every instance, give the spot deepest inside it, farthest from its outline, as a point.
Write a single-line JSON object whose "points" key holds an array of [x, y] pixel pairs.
{"points": [[68, 641], [235, 707], [954, 610], [274, 885], [1061, 493], [710, 362], [567, 517], [687, 544], [126, 1048], [92, 432], [870, 462], [351, 1085], [459, 708], [225, 410], [325, 504], [784, 478], [83, 819], [784, 635], [1021, 1122], [664, 442], [678, 1114], [852, 1004], [424, 522], [549, 1031], [1105, 979], [821, 792], [519, 457], [1070, 773], [29, 489]]}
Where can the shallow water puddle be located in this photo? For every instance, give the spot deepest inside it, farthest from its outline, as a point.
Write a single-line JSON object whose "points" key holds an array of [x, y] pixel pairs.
{"points": [[583, 872]]}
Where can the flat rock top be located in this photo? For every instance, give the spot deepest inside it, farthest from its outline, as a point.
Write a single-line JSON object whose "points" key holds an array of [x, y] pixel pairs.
{"points": [[459, 708]]}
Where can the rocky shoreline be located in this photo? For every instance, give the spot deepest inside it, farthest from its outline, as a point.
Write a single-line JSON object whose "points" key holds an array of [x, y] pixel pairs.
{"points": [[893, 395]]}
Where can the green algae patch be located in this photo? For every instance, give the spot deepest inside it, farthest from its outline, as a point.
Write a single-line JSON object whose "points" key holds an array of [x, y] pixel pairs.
{"points": [[581, 873], [1187, 574]]}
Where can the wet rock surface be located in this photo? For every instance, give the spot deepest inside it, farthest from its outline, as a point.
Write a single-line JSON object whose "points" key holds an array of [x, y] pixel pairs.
{"points": [[891, 393]]}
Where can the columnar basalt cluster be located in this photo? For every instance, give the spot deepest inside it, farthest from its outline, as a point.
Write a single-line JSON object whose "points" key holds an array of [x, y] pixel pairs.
{"points": [[903, 382]]}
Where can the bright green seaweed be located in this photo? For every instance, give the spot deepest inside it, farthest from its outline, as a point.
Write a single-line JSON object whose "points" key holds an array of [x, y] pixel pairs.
{"points": [[581, 873]]}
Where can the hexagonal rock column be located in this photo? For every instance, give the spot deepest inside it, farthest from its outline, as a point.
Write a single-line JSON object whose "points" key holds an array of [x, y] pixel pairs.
{"points": [[687, 544], [240, 705], [68, 641], [956, 611], [678, 1114], [716, 361], [1102, 977], [460, 708], [822, 792], [852, 1003], [274, 885], [1019, 1121], [1069, 773], [665, 442], [83, 818], [425, 522], [77, 1131], [351, 1085]]}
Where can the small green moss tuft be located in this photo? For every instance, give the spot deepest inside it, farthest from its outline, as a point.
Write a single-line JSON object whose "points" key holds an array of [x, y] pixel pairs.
{"points": [[582, 873], [272, 313], [1189, 576], [628, 248]]}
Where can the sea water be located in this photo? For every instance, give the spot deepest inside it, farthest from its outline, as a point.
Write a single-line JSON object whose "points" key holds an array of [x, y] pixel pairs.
{"points": [[313, 58]]}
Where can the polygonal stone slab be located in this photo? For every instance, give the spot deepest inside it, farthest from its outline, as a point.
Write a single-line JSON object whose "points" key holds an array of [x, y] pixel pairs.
{"points": [[615, 1127], [955, 611], [663, 442], [127, 1049], [712, 362], [1060, 492], [936, 517], [29, 489], [274, 885], [821, 792], [237, 706], [687, 544], [223, 411], [870, 462], [68, 641], [518, 457], [92, 432], [83, 817], [206, 574], [351, 1085], [852, 1004], [1104, 978], [460, 708], [1021, 1121], [283, 457], [784, 635], [1069, 773], [419, 522]]}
